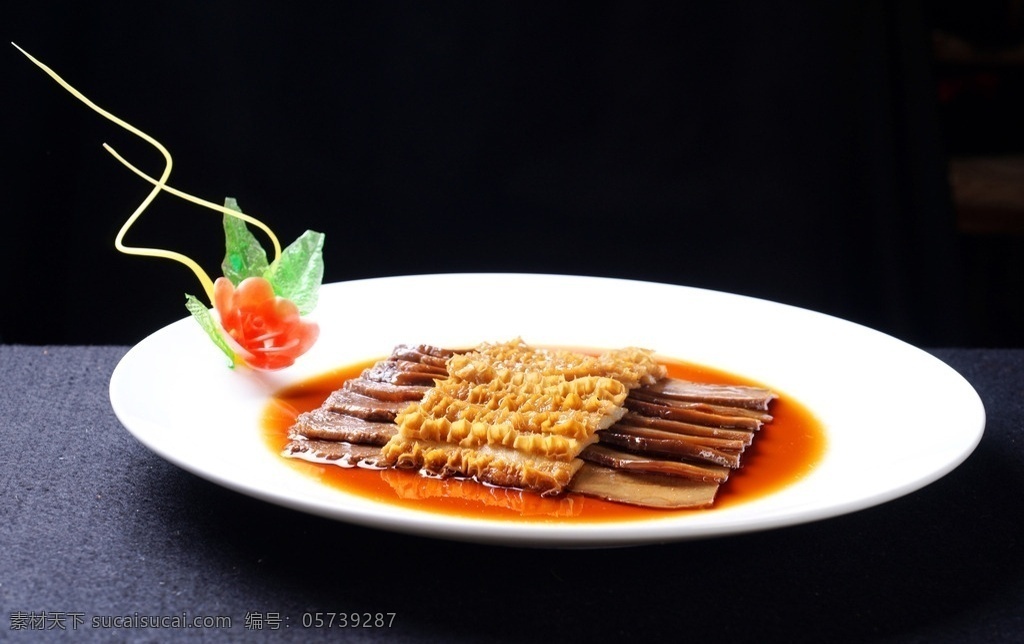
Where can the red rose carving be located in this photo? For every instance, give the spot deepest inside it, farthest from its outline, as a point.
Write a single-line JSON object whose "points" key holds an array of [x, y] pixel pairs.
{"points": [[265, 330]]}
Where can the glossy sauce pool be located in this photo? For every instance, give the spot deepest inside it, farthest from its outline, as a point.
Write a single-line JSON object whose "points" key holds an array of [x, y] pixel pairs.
{"points": [[782, 452]]}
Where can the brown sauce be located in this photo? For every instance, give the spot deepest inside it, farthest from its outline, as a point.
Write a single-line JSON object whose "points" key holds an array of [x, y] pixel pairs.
{"points": [[784, 451]]}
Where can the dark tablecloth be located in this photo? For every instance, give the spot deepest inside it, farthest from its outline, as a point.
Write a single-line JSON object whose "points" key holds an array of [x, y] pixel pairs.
{"points": [[93, 525]]}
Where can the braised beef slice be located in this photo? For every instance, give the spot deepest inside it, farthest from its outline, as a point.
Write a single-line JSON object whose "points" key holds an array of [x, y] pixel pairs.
{"points": [[699, 405], [404, 372], [689, 429], [325, 424], [350, 403], [692, 415], [665, 444], [320, 451], [385, 390], [620, 460], [732, 395], [423, 353], [638, 488]]}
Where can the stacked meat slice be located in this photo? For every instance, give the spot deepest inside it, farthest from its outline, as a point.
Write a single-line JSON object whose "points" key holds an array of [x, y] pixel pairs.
{"points": [[357, 420], [673, 447], [677, 443]]}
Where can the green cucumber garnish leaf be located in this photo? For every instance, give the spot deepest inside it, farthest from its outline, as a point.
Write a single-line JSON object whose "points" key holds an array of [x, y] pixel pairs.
{"points": [[296, 275], [205, 319], [244, 256]]}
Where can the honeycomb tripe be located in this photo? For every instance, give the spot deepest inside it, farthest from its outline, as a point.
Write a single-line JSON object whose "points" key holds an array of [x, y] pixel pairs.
{"points": [[517, 416]]}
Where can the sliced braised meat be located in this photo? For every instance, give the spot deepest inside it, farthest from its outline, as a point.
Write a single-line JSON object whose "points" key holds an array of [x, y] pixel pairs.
{"points": [[679, 427], [437, 352], [731, 395], [626, 461], [338, 452], [327, 425], [426, 354], [648, 490], [385, 390], [724, 410], [404, 372], [696, 415], [350, 403], [644, 440]]}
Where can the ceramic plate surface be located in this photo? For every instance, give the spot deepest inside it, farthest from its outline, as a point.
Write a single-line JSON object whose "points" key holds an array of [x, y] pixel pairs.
{"points": [[917, 418]]}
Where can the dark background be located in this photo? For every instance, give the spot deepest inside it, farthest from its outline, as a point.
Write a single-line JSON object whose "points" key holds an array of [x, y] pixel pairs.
{"points": [[796, 152]]}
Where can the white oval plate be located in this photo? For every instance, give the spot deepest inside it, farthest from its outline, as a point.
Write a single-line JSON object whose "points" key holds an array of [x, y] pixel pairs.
{"points": [[896, 418]]}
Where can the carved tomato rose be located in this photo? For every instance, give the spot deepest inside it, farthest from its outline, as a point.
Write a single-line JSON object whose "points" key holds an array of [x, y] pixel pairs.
{"points": [[266, 330]]}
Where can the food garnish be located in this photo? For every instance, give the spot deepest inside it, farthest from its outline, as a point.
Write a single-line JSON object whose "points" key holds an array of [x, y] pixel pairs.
{"points": [[259, 304]]}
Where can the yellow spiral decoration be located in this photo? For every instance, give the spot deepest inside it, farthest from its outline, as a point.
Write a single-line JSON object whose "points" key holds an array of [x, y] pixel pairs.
{"points": [[159, 185]]}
